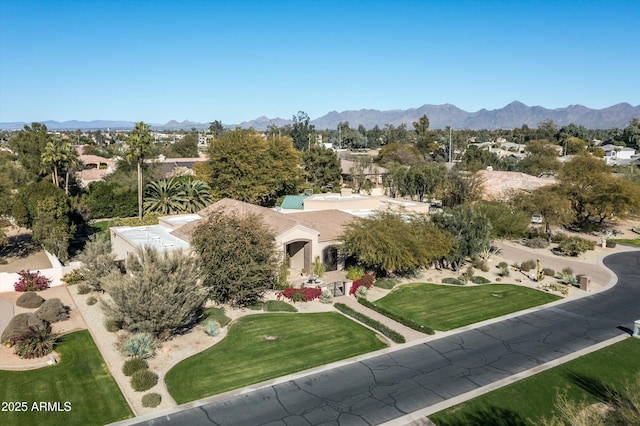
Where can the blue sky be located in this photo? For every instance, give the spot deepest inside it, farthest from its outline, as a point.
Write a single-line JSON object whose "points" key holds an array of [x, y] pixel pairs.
{"points": [[237, 60]]}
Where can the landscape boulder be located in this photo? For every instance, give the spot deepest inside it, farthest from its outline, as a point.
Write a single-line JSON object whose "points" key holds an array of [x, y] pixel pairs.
{"points": [[20, 324], [30, 300], [53, 310]]}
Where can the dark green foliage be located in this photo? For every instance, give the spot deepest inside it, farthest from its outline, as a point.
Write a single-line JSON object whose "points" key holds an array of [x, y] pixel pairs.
{"points": [[30, 300], [480, 280], [374, 243], [28, 144], [131, 365], [186, 147], [321, 167], [502, 265], [454, 281], [161, 293], [244, 263], [376, 325], [506, 221], [151, 400], [143, 380], [397, 318], [470, 229], [110, 199], [52, 310], [278, 306], [35, 342]]}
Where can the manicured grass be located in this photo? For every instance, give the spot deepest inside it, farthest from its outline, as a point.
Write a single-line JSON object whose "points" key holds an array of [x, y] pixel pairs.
{"points": [[80, 378], [634, 242], [101, 227], [266, 346], [526, 401], [216, 314], [446, 307], [278, 306]]}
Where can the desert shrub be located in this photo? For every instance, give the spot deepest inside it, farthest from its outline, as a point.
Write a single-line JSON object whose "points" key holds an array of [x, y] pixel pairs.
{"points": [[326, 296], [53, 310], [91, 301], [504, 272], [502, 265], [558, 237], [216, 314], [19, 324], [211, 327], [480, 264], [112, 325], [376, 325], [143, 380], [84, 289], [451, 280], [354, 272], [255, 305], [31, 281], [397, 318], [567, 270], [304, 294], [151, 400], [361, 292], [528, 265], [278, 306], [549, 272], [611, 244], [567, 278], [30, 300], [35, 342], [536, 232], [131, 365], [468, 274], [73, 277], [385, 283], [574, 246], [536, 243], [142, 345], [480, 280], [98, 262]]}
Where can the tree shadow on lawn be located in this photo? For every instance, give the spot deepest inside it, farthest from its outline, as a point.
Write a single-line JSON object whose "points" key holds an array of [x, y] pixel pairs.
{"points": [[597, 389], [21, 245], [494, 416]]}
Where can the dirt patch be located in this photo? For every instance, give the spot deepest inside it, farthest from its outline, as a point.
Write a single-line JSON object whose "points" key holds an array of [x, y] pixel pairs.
{"points": [[270, 338]]}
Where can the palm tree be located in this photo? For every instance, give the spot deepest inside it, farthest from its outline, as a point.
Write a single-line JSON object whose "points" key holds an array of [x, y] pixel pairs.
{"points": [[51, 157], [197, 194], [70, 162], [164, 197], [139, 142]]}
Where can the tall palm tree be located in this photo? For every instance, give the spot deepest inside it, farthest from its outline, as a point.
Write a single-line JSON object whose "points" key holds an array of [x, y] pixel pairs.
{"points": [[139, 142], [70, 162], [51, 157]]}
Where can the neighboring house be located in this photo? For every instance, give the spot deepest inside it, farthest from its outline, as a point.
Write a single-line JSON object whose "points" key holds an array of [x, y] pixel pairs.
{"points": [[500, 185], [95, 168], [361, 205], [614, 154], [300, 237]]}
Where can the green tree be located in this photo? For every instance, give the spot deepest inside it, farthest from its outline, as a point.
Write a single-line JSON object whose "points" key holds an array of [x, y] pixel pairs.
{"points": [[244, 166], [542, 158], [461, 188], [186, 147], [424, 180], [29, 144], [217, 128], [139, 142], [374, 242], [322, 167], [506, 220], [238, 257], [551, 203], [424, 139], [395, 152], [161, 293], [302, 131], [631, 134], [475, 159], [51, 158], [471, 232]]}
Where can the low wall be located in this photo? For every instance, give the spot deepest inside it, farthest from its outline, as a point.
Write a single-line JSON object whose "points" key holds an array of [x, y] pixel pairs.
{"points": [[8, 279]]}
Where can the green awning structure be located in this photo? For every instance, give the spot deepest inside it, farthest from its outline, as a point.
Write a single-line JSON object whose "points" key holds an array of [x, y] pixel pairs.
{"points": [[293, 202]]}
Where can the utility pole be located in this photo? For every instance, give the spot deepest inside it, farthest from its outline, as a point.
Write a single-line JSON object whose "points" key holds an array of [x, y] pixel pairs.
{"points": [[450, 153]]}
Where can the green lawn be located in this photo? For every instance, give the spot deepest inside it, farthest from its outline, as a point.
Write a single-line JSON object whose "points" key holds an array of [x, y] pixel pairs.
{"points": [[101, 227], [266, 346], [634, 242], [526, 401], [447, 307], [80, 378]]}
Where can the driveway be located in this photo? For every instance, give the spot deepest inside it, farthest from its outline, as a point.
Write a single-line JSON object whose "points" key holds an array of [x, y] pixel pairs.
{"points": [[392, 385]]}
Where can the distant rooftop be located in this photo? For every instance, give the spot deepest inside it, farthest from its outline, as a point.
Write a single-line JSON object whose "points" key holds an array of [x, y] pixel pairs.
{"points": [[155, 236]]}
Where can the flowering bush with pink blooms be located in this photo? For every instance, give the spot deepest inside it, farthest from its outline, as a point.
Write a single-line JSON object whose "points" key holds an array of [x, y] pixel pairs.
{"points": [[31, 281], [305, 294], [367, 280]]}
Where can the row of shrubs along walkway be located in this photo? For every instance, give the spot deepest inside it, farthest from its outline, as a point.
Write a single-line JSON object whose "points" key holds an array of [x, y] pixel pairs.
{"points": [[409, 334]]}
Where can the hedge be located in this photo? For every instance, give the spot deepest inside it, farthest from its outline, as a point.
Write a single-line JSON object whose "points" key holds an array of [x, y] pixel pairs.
{"points": [[376, 325], [404, 321]]}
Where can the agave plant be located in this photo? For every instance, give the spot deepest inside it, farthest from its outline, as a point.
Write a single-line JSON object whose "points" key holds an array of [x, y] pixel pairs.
{"points": [[196, 194], [177, 195], [142, 345]]}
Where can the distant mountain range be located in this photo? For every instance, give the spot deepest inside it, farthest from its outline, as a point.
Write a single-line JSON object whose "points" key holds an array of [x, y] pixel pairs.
{"points": [[513, 115]]}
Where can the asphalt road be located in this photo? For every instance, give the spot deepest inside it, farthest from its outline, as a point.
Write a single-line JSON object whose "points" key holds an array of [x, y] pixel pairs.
{"points": [[389, 386]]}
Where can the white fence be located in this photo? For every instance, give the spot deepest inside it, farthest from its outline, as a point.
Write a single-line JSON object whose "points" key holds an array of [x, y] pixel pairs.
{"points": [[8, 279]]}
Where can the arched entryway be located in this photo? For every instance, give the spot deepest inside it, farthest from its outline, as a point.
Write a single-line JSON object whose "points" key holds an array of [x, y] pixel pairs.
{"points": [[298, 254]]}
